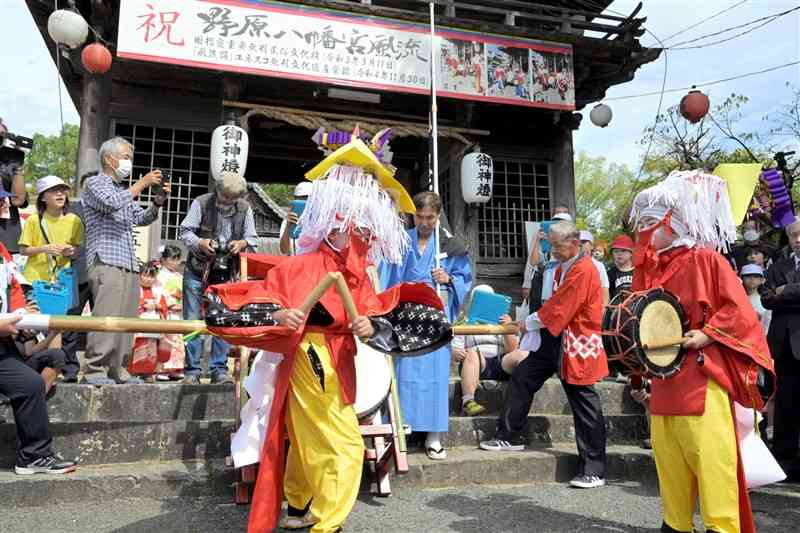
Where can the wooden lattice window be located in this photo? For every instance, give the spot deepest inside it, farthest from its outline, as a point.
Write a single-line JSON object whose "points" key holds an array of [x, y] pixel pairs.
{"points": [[185, 154], [521, 193]]}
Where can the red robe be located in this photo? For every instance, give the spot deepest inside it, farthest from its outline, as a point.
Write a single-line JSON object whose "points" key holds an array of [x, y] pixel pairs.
{"points": [[576, 309], [287, 285], [715, 302], [16, 295]]}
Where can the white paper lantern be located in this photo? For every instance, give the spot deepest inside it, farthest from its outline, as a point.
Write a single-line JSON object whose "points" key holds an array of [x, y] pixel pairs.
{"points": [[229, 147], [477, 178], [600, 115], [67, 27]]}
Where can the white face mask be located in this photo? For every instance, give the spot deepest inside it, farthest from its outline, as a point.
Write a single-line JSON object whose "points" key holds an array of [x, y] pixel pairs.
{"points": [[124, 168], [751, 235]]}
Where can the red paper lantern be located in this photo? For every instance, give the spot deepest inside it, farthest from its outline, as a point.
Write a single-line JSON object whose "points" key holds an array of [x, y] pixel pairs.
{"points": [[96, 58], [694, 106]]}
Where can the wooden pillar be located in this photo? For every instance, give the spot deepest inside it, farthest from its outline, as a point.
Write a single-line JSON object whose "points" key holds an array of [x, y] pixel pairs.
{"points": [[95, 97], [563, 171]]}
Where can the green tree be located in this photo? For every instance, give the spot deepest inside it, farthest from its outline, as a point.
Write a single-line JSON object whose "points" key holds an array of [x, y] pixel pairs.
{"points": [[53, 154], [677, 144], [602, 192], [281, 193]]}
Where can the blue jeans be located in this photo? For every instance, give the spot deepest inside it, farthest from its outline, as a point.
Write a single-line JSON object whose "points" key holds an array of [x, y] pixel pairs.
{"points": [[218, 362]]}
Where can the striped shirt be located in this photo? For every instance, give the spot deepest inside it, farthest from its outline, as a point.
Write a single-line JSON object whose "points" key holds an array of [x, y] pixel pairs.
{"points": [[224, 231], [109, 214]]}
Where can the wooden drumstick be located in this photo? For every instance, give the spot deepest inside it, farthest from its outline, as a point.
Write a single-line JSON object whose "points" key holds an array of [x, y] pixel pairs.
{"points": [[315, 295], [346, 296], [667, 344]]}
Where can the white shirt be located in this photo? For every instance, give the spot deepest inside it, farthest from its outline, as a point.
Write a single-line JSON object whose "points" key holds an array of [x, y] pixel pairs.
{"points": [[601, 270]]}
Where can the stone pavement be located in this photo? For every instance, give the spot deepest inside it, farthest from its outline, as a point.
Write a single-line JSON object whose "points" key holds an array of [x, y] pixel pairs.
{"points": [[540, 508]]}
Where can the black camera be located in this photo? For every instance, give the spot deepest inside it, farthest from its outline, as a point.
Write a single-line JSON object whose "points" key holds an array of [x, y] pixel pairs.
{"points": [[223, 264]]}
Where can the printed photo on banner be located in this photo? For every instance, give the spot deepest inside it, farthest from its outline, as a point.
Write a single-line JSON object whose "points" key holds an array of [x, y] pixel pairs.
{"points": [[461, 66], [509, 72], [553, 79]]}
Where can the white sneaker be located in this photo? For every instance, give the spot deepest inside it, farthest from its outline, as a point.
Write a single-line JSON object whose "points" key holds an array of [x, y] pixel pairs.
{"points": [[498, 445], [586, 481]]}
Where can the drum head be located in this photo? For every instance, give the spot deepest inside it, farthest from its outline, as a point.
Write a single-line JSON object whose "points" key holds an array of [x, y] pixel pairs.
{"points": [[373, 380], [661, 320]]}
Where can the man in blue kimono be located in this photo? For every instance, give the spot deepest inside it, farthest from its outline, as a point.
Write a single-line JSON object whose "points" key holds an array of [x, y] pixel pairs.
{"points": [[423, 381]]}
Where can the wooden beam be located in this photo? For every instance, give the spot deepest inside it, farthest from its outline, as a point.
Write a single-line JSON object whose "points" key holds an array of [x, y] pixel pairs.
{"points": [[339, 116]]}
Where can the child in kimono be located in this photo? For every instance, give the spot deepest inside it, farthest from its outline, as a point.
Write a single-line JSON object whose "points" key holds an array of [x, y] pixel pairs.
{"points": [[147, 350], [170, 280]]}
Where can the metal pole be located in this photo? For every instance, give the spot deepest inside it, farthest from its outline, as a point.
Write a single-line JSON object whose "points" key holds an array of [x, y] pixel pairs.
{"points": [[434, 167]]}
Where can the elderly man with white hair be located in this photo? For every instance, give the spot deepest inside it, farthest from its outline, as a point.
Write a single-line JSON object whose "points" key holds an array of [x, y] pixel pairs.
{"points": [[225, 218], [111, 211], [563, 337]]}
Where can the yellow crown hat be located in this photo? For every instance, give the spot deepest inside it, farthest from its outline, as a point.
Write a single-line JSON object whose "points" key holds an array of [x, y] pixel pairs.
{"points": [[357, 154]]}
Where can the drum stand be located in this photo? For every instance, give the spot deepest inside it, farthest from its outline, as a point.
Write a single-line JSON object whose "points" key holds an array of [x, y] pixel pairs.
{"points": [[384, 442]]}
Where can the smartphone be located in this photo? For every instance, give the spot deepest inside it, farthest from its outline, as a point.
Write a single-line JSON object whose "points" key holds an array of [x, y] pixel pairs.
{"points": [[298, 206]]}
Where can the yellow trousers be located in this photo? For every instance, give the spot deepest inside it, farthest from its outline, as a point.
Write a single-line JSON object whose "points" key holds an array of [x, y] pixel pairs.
{"points": [[697, 456], [326, 452]]}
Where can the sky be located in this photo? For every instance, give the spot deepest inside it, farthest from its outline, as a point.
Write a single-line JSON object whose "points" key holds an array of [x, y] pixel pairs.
{"points": [[29, 96]]}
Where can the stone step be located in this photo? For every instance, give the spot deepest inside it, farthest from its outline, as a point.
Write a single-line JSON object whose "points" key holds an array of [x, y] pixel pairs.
{"points": [[138, 403], [546, 429], [130, 441], [173, 402], [550, 399], [464, 466], [123, 442]]}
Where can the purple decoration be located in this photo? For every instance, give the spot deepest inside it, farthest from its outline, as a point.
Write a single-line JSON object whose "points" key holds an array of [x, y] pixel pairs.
{"points": [[782, 209]]}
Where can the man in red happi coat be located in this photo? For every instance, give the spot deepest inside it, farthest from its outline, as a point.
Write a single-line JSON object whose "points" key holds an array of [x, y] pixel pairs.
{"points": [[564, 338]]}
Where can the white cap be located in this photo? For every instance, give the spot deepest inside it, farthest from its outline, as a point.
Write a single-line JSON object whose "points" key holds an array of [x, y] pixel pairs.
{"points": [[563, 216], [587, 236], [48, 182], [303, 188], [483, 288], [752, 270]]}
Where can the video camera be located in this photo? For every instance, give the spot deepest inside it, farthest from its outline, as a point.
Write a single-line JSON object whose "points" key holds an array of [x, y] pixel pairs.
{"points": [[13, 147]]}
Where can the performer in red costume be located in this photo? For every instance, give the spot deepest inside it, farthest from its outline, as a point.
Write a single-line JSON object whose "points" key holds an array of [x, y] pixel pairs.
{"points": [[349, 220], [680, 221]]}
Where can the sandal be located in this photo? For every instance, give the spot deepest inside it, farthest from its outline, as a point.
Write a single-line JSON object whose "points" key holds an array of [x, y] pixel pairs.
{"points": [[292, 523], [436, 455]]}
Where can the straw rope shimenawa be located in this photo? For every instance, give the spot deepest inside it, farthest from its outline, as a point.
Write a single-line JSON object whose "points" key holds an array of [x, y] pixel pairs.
{"points": [[314, 120]]}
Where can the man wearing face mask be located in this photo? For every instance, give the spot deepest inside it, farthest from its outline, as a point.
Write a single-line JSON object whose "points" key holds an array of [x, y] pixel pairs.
{"points": [[752, 239], [680, 221], [223, 216], [110, 212]]}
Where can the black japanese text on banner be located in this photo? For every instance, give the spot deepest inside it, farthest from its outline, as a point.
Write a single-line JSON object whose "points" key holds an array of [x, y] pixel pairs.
{"points": [[288, 41]]}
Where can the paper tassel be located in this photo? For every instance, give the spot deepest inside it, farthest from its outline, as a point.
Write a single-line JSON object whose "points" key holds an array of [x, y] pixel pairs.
{"points": [[347, 197], [699, 204]]}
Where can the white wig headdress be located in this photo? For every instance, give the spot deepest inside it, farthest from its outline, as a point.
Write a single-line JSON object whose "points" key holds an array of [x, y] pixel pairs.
{"points": [[699, 205], [349, 197]]}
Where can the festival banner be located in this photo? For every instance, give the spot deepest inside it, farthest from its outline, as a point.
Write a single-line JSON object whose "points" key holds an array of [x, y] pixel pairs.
{"points": [[322, 45]]}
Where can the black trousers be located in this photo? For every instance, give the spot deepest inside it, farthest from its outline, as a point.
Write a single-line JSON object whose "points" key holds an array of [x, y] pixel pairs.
{"points": [[52, 357], [587, 409], [25, 388], [72, 341], [787, 405]]}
